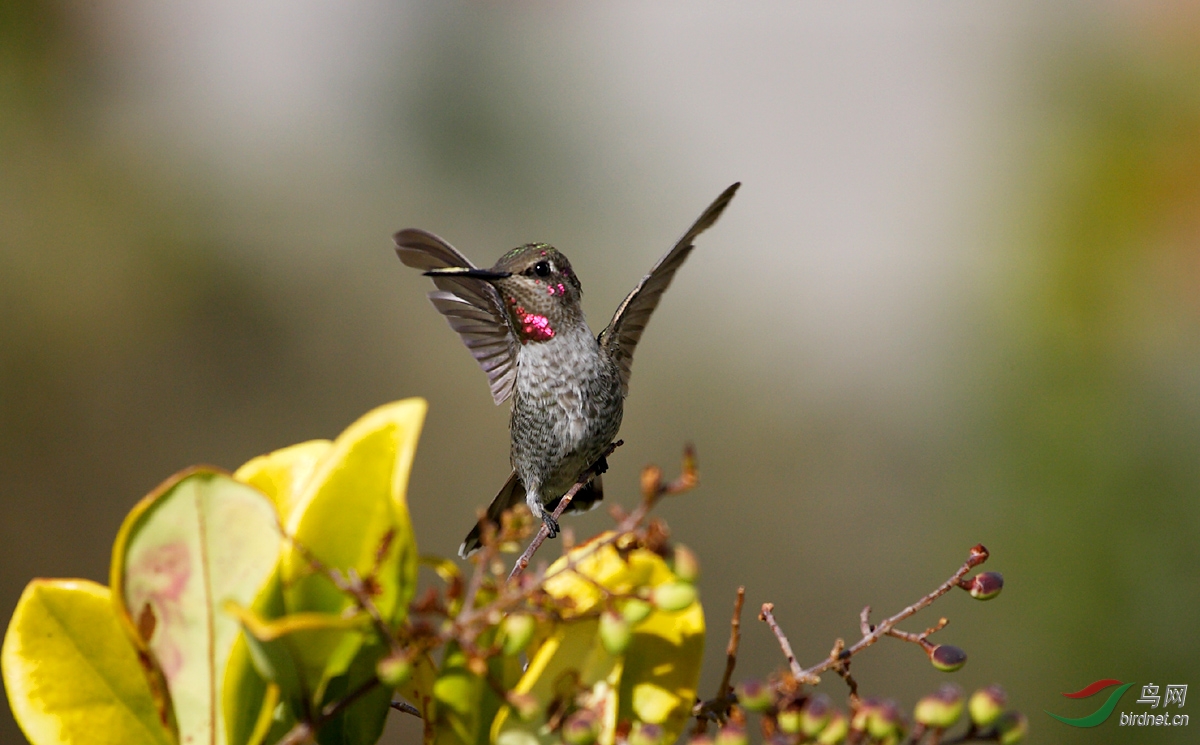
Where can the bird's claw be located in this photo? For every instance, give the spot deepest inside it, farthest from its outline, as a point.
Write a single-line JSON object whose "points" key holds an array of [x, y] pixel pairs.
{"points": [[600, 466], [551, 525]]}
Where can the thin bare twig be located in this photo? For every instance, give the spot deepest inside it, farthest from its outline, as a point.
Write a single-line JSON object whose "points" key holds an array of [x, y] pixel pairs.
{"points": [[485, 559], [718, 707], [735, 637], [544, 532], [407, 708], [843, 670], [921, 638], [768, 616], [872, 634]]}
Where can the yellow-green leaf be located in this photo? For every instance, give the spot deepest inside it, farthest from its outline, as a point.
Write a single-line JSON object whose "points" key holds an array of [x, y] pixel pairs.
{"points": [[353, 515], [572, 653], [284, 474], [198, 541], [653, 681], [459, 697], [72, 674], [662, 669], [345, 503]]}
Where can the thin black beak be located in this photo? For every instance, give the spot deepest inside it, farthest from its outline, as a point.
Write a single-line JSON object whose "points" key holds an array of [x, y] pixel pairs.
{"points": [[466, 271]]}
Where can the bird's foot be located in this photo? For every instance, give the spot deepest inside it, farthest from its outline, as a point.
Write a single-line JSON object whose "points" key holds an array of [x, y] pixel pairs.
{"points": [[550, 523], [600, 466]]}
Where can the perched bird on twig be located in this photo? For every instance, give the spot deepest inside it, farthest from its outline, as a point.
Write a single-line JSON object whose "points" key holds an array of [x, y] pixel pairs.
{"points": [[523, 323]]}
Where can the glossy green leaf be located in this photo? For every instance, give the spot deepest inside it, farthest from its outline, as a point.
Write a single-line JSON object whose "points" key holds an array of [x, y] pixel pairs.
{"points": [[198, 541], [246, 690], [294, 651], [71, 673], [458, 695], [360, 723], [251, 701]]}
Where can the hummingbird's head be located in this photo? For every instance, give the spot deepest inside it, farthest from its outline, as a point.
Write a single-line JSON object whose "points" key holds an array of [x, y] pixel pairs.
{"points": [[538, 287]]}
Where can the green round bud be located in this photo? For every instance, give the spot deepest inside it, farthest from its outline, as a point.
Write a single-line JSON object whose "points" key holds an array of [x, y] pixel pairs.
{"points": [[866, 707], [815, 714], [1011, 727], [636, 610], [884, 720], [789, 721], [644, 733], [524, 705], [517, 629], [942, 709], [581, 728], [615, 633], [754, 696], [986, 705], [456, 691], [835, 730], [732, 734], [986, 585], [947, 658], [674, 596], [685, 564], [394, 670]]}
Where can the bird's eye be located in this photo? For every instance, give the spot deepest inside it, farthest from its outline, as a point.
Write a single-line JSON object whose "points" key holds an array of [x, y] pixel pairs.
{"points": [[542, 268]]}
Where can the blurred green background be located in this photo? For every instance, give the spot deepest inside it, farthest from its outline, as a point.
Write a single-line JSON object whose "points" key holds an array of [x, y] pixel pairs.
{"points": [[957, 299]]}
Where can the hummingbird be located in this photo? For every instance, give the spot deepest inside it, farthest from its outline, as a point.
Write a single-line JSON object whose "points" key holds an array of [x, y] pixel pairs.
{"points": [[523, 323]]}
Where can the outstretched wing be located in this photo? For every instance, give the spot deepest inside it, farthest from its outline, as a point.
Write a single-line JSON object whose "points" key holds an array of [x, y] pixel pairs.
{"points": [[625, 330], [472, 307]]}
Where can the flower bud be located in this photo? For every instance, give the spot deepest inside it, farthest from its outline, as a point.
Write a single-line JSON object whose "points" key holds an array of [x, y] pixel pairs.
{"points": [[942, 709], [525, 705], [835, 730], [986, 705], [581, 728], [636, 610], [754, 696], [517, 629], [815, 714], [885, 721], [477, 666], [865, 709], [394, 670], [732, 734], [644, 733], [651, 480], [947, 658], [674, 596], [789, 721], [986, 585], [1011, 727], [685, 564], [615, 633]]}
